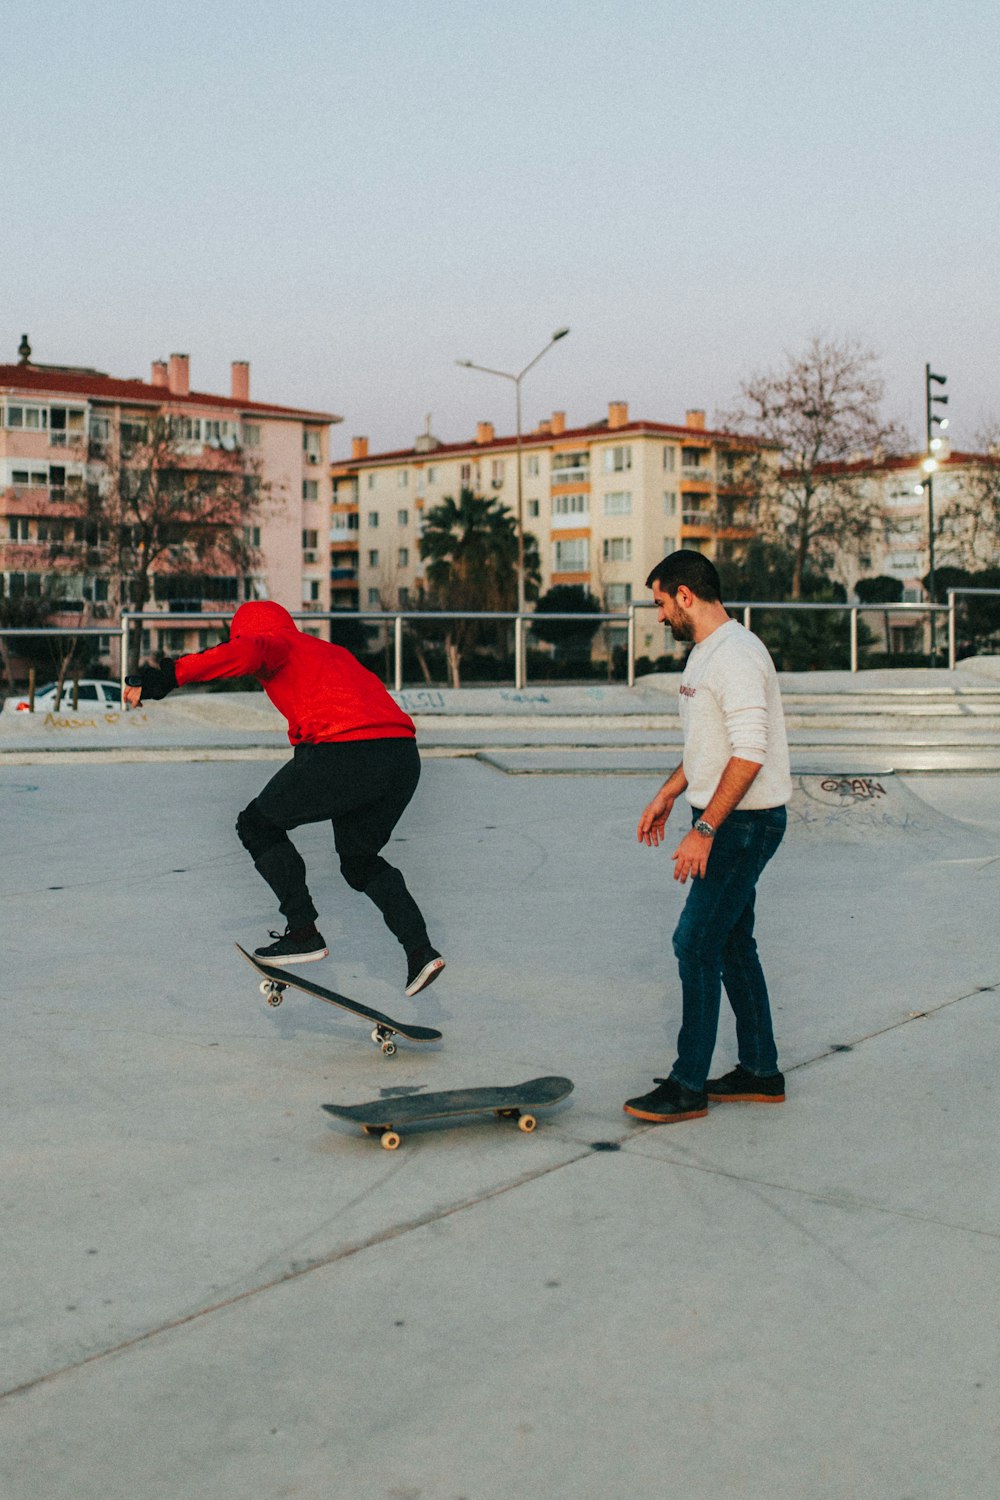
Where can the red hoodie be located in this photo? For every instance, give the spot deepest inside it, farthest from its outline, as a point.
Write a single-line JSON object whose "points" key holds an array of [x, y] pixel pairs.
{"points": [[323, 691]]}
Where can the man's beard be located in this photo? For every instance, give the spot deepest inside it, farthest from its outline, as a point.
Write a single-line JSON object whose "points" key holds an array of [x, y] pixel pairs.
{"points": [[682, 631]]}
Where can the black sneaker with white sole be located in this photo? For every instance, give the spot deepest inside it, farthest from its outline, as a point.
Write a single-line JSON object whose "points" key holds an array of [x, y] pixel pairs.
{"points": [[304, 945], [423, 966]]}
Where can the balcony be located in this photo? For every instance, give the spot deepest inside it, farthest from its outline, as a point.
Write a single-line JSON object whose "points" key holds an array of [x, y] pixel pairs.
{"points": [[339, 535], [570, 476], [342, 575], [704, 520]]}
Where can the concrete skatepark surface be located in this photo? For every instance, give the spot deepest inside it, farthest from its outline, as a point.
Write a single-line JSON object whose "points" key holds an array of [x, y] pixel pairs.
{"points": [[212, 1288]]}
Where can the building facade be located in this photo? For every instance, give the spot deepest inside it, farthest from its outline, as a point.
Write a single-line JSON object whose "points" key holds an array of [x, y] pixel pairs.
{"points": [[604, 502], [64, 432]]}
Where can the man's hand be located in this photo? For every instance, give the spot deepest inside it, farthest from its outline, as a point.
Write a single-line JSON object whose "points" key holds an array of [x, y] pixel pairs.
{"points": [[150, 682], [691, 856], [654, 819]]}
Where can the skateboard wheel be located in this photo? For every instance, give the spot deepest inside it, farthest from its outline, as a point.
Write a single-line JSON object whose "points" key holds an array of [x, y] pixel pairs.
{"points": [[527, 1123], [390, 1140], [389, 1048]]}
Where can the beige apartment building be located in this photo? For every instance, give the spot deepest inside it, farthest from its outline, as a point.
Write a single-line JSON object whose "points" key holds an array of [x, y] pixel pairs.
{"points": [[605, 502], [63, 429]]}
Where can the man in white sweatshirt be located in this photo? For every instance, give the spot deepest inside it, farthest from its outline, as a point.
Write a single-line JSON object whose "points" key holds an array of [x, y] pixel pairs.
{"points": [[735, 772]]}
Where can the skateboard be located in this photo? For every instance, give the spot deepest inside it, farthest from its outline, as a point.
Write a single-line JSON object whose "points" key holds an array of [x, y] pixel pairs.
{"points": [[383, 1117], [276, 981]]}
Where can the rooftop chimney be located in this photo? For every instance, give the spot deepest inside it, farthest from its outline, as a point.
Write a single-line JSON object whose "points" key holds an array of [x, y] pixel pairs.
{"points": [[239, 386], [359, 447], [484, 432], [179, 375], [558, 422], [545, 428], [159, 372], [617, 413], [696, 419]]}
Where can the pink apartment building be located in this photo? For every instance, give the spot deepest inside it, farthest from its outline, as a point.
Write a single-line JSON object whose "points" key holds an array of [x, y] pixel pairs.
{"points": [[61, 430]]}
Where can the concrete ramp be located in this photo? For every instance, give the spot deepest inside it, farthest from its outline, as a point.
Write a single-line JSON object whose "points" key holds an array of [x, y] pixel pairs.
{"points": [[878, 810]]}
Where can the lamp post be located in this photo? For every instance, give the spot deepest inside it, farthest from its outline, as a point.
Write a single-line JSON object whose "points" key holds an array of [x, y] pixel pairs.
{"points": [[467, 364], [929, 465]]}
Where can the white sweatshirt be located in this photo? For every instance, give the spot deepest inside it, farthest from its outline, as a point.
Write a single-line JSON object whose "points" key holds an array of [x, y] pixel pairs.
{"points": [[730, 704]]}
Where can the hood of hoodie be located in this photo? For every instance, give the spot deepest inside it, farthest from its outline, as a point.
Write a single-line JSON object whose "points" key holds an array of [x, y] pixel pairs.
{"points": [[261, 617]]}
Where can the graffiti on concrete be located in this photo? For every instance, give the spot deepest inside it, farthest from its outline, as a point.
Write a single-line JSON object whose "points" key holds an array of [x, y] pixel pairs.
{"points": [[420, 700], [857, 788]]}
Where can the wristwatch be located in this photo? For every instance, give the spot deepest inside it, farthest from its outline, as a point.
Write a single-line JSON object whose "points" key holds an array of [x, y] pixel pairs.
{"points": [[706, 828]]}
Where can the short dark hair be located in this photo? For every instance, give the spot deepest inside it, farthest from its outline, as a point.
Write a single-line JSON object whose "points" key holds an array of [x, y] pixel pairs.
{"points": [[692, 569]]}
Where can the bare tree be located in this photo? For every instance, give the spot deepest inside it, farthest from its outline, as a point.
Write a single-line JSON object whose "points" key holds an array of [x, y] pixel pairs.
{"points": [[972, 518], [161, 506], [819, 419]]}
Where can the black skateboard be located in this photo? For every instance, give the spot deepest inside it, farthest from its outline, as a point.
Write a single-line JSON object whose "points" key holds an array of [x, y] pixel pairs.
{"points": [[276, 981], [383, 1117]]}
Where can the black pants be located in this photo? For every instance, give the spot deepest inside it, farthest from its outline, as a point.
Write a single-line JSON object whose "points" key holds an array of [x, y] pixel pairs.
{"points": [[362, 786]]}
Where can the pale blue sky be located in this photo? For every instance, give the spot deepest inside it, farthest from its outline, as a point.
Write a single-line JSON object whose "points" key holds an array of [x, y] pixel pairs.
{"points": [[354, 195]]}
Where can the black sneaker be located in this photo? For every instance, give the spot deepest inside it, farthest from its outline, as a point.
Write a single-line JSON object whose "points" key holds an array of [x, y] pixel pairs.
{"points": [[741, 1087], [303, 946], [423, 967], [668, 1102]]}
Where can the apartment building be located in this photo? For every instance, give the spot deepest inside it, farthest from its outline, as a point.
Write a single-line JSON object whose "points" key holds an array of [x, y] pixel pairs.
{"points": [[62, 431], [604, 501]]}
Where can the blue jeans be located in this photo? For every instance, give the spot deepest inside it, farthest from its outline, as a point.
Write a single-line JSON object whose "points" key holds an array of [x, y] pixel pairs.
{"points": [[715, 946]]}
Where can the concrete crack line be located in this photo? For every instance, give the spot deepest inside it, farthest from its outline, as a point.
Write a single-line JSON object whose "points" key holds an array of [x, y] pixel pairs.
{"points": [[835, 1200], [383, 1237], [917, 1015]]}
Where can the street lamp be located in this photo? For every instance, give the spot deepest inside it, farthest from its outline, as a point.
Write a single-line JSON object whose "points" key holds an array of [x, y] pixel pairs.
{"points": [[929, 466], [467, 364]]}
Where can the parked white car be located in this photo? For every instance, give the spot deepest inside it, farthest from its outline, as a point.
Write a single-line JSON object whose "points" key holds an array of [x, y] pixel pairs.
{"points": [[94, 693]]}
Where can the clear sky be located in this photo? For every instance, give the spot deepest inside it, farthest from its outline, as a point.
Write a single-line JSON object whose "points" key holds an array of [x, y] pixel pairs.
{"points": [[353, 195]]}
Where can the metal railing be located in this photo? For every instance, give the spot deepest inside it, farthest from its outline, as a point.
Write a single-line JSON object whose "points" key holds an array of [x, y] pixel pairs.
{"points": [[394, 620]]}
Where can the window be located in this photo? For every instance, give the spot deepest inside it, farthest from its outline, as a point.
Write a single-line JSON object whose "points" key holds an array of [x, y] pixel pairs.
{"points": [[432, 476], [403, 478], [497, 472], [404, 557], [670, 502], [533, 508], [372, 519], [31, 418], [618, 595], [618, 503], [403, 517], [617, 460], [617, 549], [669, 459], [311, 444], [19, 529], [374, 599], [571, 555], [251, 434], [187, 429], [532, 465], [251, 535], [465, 475], [310, 489], [373, 558], [65, 425], [100, 429], [371, 480], [404, 597], [570, 505], [133, 433], [310, 540], [693, 458]]}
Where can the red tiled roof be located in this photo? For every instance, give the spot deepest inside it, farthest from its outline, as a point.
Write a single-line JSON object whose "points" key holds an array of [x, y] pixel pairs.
{"points": [[898, 461], [29, 378], [547, 439]]}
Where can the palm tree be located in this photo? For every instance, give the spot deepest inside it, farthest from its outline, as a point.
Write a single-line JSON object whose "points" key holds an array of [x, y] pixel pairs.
{"points": [[470, 548]]}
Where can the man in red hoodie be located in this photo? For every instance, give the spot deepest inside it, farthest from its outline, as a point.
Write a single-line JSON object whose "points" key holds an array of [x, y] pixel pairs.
{"points": [[355, 762]]}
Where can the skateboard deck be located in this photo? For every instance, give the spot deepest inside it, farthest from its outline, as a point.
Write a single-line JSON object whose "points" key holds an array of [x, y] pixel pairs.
{"points": [[275, 981], [384, 1117]]}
